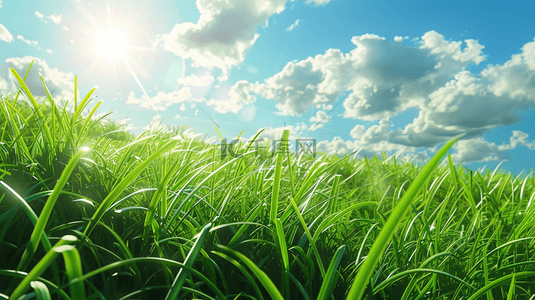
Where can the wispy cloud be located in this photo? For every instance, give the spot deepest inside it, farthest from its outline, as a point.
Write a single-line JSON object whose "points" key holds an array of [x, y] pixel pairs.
{"points": [[292, 27], [5, 35], [29, 42], [318, 2]]}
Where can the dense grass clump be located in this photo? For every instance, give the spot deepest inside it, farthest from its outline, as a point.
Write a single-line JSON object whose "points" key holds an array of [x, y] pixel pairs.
{"points": [[88, 210]]}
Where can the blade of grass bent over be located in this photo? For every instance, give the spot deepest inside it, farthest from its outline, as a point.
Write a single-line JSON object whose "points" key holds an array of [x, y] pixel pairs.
{"points": [[260, 275], [41, 266], [368, 266]]}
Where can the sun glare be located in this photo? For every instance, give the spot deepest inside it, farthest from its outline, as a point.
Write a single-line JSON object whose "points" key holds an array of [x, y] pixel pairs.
{"points": [[110, 42]]}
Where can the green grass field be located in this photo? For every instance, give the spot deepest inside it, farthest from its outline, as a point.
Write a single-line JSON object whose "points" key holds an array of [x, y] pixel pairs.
{"points": [[90, 211]]}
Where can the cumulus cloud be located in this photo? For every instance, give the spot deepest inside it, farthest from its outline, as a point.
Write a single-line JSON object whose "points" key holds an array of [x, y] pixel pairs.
{"points": [[292, 27], [239, 95], [59, 83], [379, 80], [39, 15], [319, 119], [0, 3], [162, 100], [197, 81], [476, 150], [224, 31], [5, 35]]}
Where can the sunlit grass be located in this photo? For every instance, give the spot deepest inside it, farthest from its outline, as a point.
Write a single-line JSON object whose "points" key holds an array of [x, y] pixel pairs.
{"points": [[155, 216]]}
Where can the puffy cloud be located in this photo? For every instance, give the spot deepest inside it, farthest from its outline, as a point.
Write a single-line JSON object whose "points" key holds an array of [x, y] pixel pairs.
{"points": [[224, 31], [59, 83], [197, 81], [5, 35], [304, 84], [476, 150], [437, 45], [516, 78], [162, 100], [239, 95], [319, 119], [0, 3], [39, 15], [518, 137], [383, 79], [292, 27]]}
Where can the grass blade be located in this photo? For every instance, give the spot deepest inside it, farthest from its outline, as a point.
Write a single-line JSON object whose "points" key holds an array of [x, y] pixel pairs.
{"points": [[73, 266], [190, 260], [366, 270], [264, 279], [329, 282], [41, 266], [41, 291], [277, 176], [47, 210]]}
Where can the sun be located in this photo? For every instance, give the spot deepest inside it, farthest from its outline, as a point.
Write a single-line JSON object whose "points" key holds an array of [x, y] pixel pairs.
{"points": [[110, 42]]}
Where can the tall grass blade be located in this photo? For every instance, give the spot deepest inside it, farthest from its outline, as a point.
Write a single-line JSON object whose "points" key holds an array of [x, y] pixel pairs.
{"points": [[47, 210], [190, 260], [385, 235], [329, 282], [283, 147]]}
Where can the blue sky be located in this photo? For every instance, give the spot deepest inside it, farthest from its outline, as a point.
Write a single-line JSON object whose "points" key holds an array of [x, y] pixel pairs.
{"points": [[393, 76]]}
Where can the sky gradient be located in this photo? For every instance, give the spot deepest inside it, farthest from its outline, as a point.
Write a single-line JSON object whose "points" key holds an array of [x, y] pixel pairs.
{"points": [[379, 76]]}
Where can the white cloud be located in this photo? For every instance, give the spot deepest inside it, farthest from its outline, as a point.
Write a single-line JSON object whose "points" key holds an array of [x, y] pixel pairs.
{"points": [[55, 18], [49, 51], [318, 2], [59, 83], [398, 39], [31, 43], [66, 28], [162, 100], [183, 107], [198, 81], [39, 15], [225, 30], [475, 150], [0, 3], [518, 137], [5, 35], [384, 79], [320, 116], [239, 95], [292, 27]]}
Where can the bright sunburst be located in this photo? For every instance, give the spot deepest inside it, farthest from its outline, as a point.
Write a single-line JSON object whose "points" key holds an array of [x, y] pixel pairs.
{"points": [[110, 42]]}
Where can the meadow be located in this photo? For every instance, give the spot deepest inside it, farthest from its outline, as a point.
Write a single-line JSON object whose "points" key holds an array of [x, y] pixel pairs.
{"points": [[91, 211]]}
